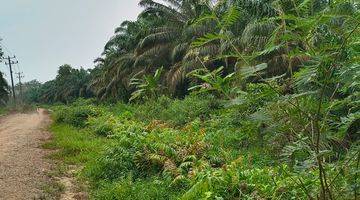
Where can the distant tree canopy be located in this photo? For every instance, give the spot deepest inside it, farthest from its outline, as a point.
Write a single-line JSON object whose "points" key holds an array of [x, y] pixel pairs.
{"points": [[4, 88], [68, 85], [31, 91]]}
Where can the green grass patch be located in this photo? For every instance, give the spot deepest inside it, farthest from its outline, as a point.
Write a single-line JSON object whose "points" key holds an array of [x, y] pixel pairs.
{"points": [[74, 146], [3, 111], [127, 189]]}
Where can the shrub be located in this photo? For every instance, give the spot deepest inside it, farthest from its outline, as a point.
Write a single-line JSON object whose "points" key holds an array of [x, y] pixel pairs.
{"points": [[184, 111], [178, 112], [201, 148], [116, 162], [76, 115], [121, 110], [119, 159], [151, 110], [103, 125]]}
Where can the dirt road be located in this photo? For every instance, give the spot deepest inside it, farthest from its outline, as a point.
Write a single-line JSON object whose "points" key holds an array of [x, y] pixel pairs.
{"points": [[22, 163]]}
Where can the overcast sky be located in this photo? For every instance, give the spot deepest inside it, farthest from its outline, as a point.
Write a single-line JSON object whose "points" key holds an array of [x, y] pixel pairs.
{"points": [[45, 34]]}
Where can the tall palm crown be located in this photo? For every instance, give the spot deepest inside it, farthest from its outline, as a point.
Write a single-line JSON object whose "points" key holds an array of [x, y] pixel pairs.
{"points": [[168, 45], [113, 69], [167, 34]]}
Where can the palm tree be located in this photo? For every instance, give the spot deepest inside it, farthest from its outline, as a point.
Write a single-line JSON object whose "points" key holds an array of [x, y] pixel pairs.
{"points": [[172, 44], [168, 45], [183, 35], [261, 34], [115, 68]]}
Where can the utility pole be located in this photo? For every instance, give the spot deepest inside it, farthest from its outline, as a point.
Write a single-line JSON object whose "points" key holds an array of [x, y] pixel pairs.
{"points": [[20, 76], [10, 62]]}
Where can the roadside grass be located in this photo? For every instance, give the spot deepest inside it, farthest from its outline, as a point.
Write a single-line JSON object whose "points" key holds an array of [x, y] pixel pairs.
{"points": [[3, 111], [133, 190], [74, 146]]}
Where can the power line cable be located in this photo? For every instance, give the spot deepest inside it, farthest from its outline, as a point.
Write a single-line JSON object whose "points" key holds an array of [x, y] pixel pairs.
{"points": [[9, 52], [5, 47], [12, 61]]}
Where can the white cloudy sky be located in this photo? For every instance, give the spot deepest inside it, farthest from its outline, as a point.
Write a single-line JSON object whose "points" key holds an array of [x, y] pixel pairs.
{"points": [[45, 34]]}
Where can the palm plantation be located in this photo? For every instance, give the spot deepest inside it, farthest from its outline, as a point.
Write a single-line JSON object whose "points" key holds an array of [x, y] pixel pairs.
{"points": [[227, 99]]}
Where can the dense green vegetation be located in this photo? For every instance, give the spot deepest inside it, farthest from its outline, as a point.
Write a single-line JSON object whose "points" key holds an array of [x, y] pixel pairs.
{"points": [[4, 88], [68, 85], [230, 99], [200, 148]]}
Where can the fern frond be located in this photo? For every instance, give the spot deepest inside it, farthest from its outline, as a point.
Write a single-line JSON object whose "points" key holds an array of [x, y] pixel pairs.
{"points": [[208, 38], [250, 71], [231, 17]]}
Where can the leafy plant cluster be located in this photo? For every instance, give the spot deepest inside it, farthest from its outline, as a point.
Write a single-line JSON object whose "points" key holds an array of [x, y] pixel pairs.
{"points": [[76, 115]]}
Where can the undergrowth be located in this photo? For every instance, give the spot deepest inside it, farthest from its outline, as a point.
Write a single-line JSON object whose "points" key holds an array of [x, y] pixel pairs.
{"points": [[198, 148]]}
